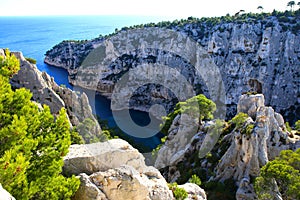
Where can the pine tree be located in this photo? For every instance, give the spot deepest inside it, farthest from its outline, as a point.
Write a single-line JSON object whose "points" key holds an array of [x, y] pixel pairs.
{"points": [[32, 143]]}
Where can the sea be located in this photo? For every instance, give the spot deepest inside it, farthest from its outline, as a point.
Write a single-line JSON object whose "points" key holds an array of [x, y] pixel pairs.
{"points": [[34, 35]]}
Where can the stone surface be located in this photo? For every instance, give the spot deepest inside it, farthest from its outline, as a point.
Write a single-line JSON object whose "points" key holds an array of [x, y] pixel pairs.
{"points": [[248, 152], [194, 191], [241, 153], [91, 158], [46, 91], [262, 49], [178, 141], [250, 103], [88, 190], [125, 183], [4, 195]]}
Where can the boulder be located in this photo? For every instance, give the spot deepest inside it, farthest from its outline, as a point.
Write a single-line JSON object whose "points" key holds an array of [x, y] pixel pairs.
{"points": [[194, 191], [125, 183], [101, 156], [4, 195], [88, 190]]}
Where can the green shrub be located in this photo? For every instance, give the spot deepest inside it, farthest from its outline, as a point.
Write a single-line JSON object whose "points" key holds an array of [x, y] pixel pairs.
{"points": [[195, 179], [285, 171], [239, 120], [200, 103], [297, 125], [33, 143], [179, 193], [31, 60]]}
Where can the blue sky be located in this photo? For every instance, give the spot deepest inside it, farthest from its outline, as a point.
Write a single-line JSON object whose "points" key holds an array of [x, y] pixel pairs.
{"points": [[174, 8]]}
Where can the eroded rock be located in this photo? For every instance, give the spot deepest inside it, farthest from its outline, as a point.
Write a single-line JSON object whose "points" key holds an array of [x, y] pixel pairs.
{"points": [[46, 91]]}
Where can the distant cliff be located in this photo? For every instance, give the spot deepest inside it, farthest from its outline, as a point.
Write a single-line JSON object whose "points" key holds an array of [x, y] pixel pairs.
{"points": [[264, 47]]}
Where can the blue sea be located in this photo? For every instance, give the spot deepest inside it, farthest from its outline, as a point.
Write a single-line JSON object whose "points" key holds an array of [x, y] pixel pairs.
{"points": [[35, 35]]}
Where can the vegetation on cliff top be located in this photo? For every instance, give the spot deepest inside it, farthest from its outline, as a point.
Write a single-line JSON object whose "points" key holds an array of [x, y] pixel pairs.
{"points": [[32, 143]]}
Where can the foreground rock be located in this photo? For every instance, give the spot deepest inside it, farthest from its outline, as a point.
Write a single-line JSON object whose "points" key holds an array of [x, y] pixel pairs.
{"points": [[91, 158], [4, 195], [46, 91], [114, 170]]}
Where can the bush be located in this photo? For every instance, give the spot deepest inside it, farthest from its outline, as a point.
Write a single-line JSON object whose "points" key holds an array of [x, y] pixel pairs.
{"points": [[179, 193], [200, 103], [239, 120], [297, 125], [285, 171], [195, 179], [33, 143], [31, 60]]}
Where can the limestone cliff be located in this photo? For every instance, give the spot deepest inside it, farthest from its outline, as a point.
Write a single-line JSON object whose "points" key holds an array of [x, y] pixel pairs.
{"points": [[264, 48], [239, 152], [46, 91]]}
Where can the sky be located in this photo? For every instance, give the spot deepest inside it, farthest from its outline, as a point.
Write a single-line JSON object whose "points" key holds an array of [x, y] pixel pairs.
{"points": [[174, 8]]}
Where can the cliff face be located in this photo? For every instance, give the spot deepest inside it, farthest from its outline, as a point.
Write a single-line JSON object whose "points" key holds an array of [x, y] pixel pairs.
{"points": [[46, 91], [267, 50], [239, 152]]}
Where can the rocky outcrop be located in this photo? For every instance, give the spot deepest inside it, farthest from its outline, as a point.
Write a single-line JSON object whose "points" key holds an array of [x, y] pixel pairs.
{"points": [[46, 91], [4, 195], [115, 170], [178, 141], [239, 154], [265, 49]]}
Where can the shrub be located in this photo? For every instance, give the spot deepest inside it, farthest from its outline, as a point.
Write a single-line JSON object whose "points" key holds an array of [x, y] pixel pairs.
{"points": [[179, 193], [195, 179], [205, 106], [31, 60], [239, 120], [285, 171], [33, 143]]}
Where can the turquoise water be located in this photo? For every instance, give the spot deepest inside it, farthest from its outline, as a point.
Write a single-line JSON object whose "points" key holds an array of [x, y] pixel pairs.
{"points": [[35, 35]]}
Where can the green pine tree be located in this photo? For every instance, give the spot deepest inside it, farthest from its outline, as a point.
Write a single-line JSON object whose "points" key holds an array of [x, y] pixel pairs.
{"points": [[32, 143]]}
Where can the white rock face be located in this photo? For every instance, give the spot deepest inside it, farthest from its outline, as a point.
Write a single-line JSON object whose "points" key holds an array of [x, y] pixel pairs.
{"points": [[248, 152], [4, 195], [250, 104], [101, 156], [178, 141], [46, 91], [262, 49], [194, 191]]}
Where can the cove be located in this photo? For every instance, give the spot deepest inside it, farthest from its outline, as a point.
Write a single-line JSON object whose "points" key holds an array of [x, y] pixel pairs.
{"points": [[101, 106]]}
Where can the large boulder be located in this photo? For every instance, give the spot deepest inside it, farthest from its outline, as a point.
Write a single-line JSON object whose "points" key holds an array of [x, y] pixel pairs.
{"points": [[91, 158], [250, 103], [124, 183]]}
